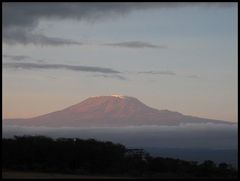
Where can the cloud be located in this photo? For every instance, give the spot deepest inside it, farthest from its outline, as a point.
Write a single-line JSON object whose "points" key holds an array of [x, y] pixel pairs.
{"points": [[16, 57], [22, 37], [28, 14], [166, 73], [24, 17], [135, 44], [158, 72], [21, 58], [115, 76], [20, 19], [193, 76], [16, 65]]}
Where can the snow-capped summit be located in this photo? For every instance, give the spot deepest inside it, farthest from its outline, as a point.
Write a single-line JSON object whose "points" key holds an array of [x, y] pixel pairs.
{"points": [[119, 96]]}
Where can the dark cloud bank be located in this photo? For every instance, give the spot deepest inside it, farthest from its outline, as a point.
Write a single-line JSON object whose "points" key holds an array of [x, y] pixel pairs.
{"points": [[27, 15], [20, 19]]}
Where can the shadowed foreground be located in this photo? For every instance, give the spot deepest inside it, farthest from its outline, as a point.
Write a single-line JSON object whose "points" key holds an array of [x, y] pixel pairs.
{"points": [[27, 156], [23, 174]]}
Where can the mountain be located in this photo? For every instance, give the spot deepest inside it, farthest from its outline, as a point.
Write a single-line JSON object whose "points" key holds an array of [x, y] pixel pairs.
{"points": [[109, 111]]}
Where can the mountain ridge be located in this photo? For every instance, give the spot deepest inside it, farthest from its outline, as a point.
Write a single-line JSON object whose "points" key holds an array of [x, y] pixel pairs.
{"points": [[114, 110]]}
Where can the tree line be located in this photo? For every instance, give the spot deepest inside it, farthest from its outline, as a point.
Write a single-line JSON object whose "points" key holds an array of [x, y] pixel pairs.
{"points": [[89, 157]]}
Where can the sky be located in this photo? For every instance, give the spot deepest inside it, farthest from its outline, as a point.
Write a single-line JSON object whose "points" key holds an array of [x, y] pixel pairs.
{"points": [[176, 56]]}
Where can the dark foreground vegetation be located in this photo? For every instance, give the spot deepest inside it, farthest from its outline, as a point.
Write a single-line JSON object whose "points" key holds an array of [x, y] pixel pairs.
{"points": [[91, 157]]}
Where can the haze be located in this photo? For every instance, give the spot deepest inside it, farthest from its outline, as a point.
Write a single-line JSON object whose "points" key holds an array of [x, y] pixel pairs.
{"points": [[180, 57]]}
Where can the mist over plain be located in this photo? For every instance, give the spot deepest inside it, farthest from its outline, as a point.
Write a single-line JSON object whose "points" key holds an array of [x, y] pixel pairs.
{"points": [[204, 135]]}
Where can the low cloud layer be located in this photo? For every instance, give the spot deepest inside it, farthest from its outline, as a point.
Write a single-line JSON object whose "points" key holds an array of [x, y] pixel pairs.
{"points": [[204, 135], [135, 44], [16, 65]]}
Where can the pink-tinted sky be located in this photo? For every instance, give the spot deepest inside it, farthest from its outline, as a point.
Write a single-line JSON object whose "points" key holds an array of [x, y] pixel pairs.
{"points": [[181, 57]]}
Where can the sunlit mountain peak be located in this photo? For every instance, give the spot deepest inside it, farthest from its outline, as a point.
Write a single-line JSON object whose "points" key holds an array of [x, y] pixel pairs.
{"points": [[117, 95]]}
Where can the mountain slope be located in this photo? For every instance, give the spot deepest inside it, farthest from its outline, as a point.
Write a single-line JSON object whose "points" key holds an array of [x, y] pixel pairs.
{"points": [[107, 111]]}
